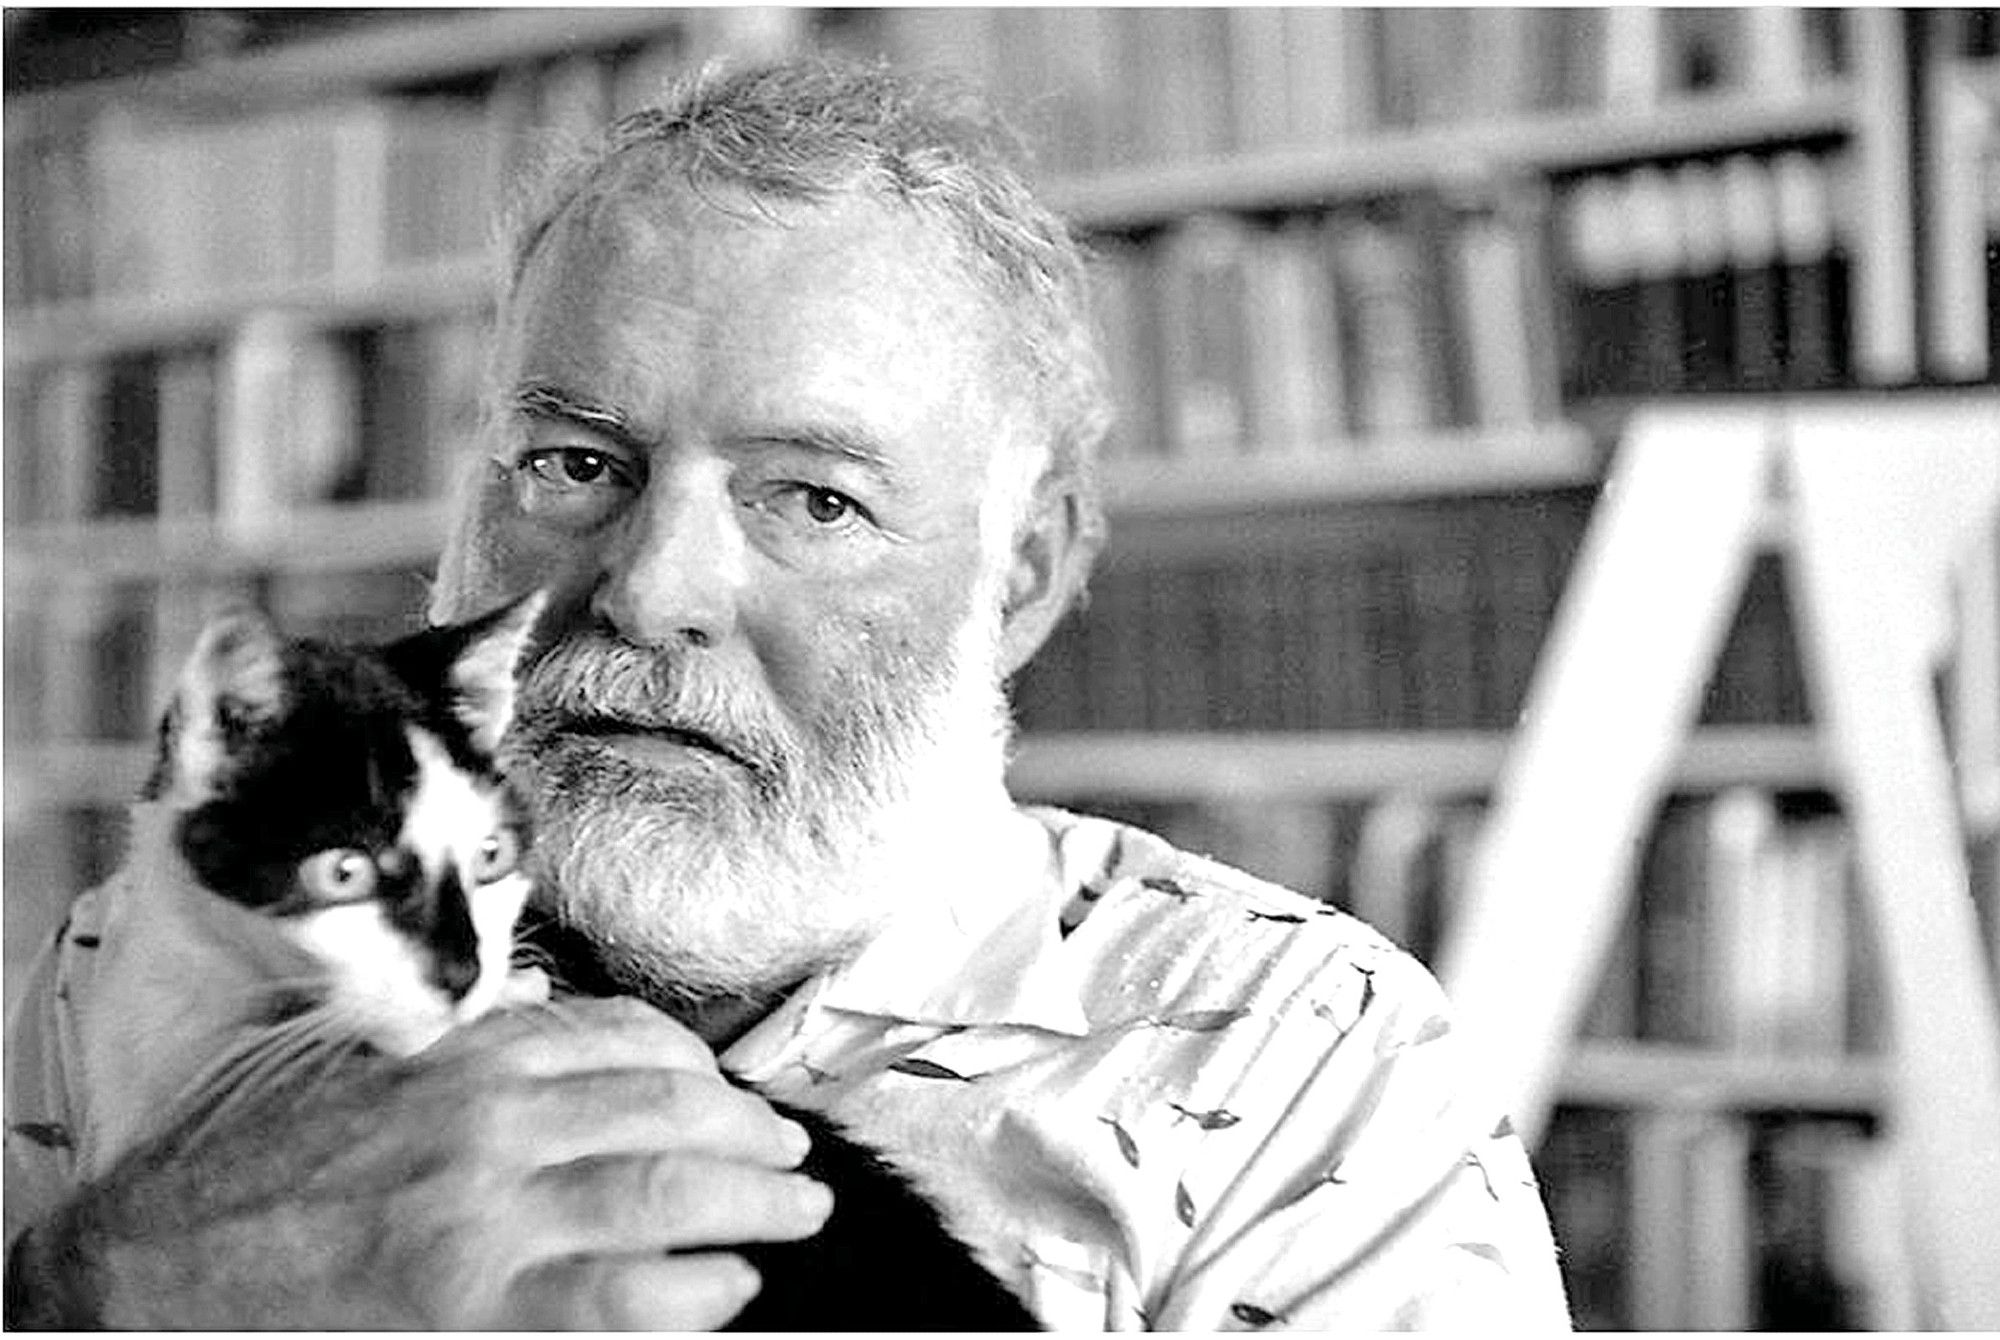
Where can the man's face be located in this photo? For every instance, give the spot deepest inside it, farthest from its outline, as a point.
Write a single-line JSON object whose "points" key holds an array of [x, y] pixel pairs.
{"points": [[747, 454]]}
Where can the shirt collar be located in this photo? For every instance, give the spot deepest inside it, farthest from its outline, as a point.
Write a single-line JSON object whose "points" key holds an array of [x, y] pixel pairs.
{"points": [[980, 945]]}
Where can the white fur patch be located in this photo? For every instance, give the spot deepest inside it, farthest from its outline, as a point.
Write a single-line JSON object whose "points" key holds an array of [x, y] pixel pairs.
{"points": [[448, 816], [379, 983]]}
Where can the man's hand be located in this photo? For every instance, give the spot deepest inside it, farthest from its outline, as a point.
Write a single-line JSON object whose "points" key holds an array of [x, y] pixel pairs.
{"points": [[583, 1165]]}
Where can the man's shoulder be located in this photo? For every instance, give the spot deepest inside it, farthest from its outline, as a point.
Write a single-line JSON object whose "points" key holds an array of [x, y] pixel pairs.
{"points": [[1140, 893]]}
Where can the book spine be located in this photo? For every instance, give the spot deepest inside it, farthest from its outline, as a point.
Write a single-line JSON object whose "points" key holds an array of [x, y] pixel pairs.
{"points": [[1601, 326], [1707, 283], [1660, 362], [1204, 323], [1751, 243], [1293, 342], [1385, 321], [1332, 82], [1805, 252]]}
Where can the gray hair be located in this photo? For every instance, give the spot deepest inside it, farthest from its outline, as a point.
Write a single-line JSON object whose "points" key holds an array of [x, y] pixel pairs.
{"points": [[813, 129]]}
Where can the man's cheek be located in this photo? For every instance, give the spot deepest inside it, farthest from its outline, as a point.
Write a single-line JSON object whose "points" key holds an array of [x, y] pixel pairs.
{"points": [[498, 553]]}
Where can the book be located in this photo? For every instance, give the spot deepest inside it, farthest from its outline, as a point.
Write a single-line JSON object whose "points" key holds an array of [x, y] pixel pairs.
{"points": [[1570, 55], [1126, 304], [1330, 78], [1778, 57], [1707, 289], [52, 190], [1701, 50], [1204, 336], [1584, 1167], [1813, 337], [1176, 646], [1261, 114], [1601, 314], [1501, 291], [1819, 1269], [1426, 63], [1750, 241], [1961, 130], [419, 405], [184, 416], [1073, 72], [1659, 263], [1293, 349], [1868, 1237], [1180, 111], [1386, 321], [1633, 58], [1501, 69], [1698, 852], [1385, 881], [438, 195], [56, 415], [1443, 662], [290, 427]]}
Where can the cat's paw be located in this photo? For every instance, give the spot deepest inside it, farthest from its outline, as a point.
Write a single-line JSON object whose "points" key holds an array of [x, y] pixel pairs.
{"points": [[524, 986]]}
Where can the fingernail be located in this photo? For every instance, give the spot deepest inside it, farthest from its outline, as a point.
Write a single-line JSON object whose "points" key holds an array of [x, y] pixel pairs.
{"points": [[814, 1200], [798, 1140]]}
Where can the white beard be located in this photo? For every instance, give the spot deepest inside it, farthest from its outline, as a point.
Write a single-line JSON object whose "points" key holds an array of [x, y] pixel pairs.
{"points": [[742, 878]]}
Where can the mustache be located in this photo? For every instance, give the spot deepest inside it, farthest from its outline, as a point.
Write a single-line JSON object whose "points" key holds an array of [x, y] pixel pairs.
{"points": [[594, 683]]}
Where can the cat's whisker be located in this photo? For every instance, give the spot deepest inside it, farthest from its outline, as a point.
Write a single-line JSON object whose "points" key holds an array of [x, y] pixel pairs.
{"points": [[254, 1069]]}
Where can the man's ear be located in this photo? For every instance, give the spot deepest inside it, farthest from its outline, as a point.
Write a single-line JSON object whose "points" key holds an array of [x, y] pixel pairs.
{"points": [[1050, 558]]}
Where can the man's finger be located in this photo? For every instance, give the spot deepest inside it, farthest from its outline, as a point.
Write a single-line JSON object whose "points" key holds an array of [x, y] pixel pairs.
{"points": [[576, 1116], [581, 1034], [634, 1293], [672, 1203]]}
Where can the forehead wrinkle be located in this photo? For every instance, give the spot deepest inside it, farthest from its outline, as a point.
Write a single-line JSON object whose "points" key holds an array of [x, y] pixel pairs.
{"points": [[548, 401], [835, 440]]}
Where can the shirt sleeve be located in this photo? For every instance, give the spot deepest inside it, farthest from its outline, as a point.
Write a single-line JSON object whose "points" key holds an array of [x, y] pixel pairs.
{"points": [[41, 1148], [1384, 1196]]}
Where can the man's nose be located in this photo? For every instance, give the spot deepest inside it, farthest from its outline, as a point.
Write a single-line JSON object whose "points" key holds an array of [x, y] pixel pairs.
{"points": [[674, 576]]}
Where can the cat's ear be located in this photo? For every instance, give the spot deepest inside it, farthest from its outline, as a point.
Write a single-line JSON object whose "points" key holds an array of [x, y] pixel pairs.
{"points": [[481, 675], [234, 681]]}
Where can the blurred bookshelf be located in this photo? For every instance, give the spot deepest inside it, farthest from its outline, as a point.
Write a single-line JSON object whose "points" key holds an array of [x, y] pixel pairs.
{"points": [[1379, 288]]}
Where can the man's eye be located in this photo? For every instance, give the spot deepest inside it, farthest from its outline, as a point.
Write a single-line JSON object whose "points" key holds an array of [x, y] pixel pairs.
{"points": [[825, 507], [574, 488], [573, 467]]}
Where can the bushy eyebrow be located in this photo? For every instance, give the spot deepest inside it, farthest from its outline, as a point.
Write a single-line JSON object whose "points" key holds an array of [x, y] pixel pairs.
{"points": [[832, 440], [553, 402], [819, 436]]}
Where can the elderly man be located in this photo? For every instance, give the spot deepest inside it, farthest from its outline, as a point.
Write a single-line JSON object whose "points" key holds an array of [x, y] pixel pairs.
{"points": [[794, 414]]}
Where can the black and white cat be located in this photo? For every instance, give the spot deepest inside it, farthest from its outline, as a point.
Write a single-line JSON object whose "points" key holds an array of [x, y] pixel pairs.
{"points": [[332, 860]]}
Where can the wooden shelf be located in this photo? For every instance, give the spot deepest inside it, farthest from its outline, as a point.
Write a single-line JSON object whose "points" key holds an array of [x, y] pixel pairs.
{"points": [[1458, 462], [372, 535], [1359, 764], [1383, 163], [95, 328], [1643, 1074], [409, 51], [1335, 765], [352, 538]]}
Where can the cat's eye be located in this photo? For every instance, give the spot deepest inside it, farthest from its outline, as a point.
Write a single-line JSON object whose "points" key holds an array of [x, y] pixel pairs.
{"points": [[497, 856], [339, 875]]}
